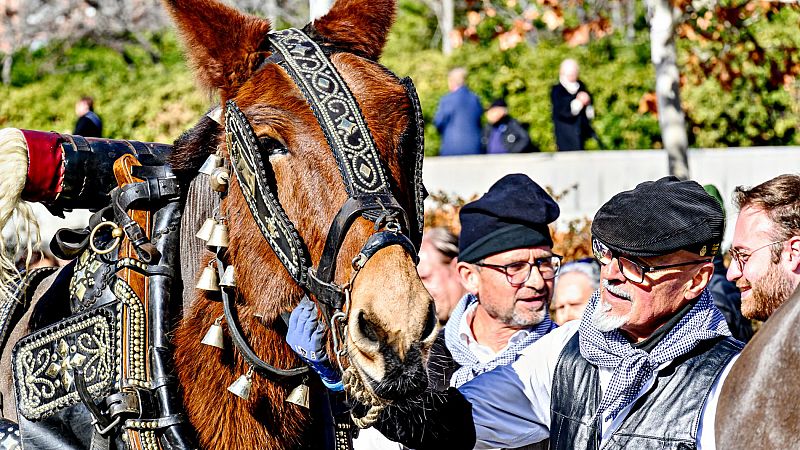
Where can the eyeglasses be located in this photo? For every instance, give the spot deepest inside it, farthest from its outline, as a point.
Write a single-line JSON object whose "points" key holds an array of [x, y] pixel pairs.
{"points": [[631, 269], [741, 257], [518, 273]]}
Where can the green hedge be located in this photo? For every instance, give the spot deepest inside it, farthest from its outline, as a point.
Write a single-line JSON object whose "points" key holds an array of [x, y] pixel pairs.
{"points": [[142, 100]]}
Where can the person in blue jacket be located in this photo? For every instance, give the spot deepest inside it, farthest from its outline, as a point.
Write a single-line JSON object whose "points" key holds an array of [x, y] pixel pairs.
{"points": [[458, 117]]}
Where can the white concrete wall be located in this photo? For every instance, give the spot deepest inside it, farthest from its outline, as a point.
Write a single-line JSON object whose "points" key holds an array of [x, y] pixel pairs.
{"points": [[597, 174], [601, 174]]}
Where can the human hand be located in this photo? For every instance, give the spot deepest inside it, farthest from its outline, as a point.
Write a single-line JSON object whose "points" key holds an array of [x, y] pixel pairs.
{"points": [[584, 98], [306, 336]]}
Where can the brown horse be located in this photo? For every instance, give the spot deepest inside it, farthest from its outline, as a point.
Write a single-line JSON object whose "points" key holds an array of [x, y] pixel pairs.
{"points": [[758, 405], [389, 321]]}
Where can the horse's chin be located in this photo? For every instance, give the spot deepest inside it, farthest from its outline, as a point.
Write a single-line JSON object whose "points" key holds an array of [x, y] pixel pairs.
{"points": [[388, 378]]}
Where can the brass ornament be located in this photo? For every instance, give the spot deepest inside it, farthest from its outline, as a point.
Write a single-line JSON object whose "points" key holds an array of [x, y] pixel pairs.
{"points": [[241, 387], [214, 336], [219, 179], [228, 278], [212, 162], [208, 279], [219, 235], [299, 396], [205, 230]]}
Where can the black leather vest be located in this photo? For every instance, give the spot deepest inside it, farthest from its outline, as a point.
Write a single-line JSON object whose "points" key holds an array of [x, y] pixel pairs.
{"points": [[667, 417]]}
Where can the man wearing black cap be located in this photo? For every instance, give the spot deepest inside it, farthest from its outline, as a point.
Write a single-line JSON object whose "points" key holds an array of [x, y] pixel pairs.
{"points": [[644, 366], [503, 133], [507, 265]]}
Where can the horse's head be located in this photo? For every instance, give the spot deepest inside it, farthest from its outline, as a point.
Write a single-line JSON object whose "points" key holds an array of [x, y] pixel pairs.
{"points": [[389, 315]]}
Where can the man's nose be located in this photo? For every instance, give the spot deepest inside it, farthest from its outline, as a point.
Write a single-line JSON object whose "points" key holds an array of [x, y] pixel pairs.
{"points": [[535, 279], [612, 270], [733, 273]]}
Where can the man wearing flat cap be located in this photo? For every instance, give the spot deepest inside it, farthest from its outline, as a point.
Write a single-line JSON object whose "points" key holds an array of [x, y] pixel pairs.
{"points": [[507, 265], [643, 367]]}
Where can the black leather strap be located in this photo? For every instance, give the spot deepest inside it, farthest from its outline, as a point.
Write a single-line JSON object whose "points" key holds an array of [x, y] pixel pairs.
{"points": [[238, 339]]}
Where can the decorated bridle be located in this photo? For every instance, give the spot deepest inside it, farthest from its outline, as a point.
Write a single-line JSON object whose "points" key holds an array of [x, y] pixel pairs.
{"points": [[364, 177]]}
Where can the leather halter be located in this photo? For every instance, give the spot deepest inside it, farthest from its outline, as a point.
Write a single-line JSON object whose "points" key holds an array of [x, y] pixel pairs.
{"points": [[359, 163]]}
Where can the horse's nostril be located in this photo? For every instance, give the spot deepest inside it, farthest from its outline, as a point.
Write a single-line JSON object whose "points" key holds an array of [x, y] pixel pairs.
{"points": [[430, 322], [367, 328]]}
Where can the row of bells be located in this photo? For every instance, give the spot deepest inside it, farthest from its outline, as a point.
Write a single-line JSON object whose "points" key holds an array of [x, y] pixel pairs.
{"points": [[209, 281], [215, 234]]}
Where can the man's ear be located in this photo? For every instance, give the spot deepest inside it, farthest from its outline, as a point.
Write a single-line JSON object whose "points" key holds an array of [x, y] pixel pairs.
{"points": [[794, 254], [694, 287], [470, 277]]}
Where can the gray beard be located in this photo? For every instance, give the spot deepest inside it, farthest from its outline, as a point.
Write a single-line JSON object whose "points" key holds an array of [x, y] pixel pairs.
{"points": [[603, 320]]}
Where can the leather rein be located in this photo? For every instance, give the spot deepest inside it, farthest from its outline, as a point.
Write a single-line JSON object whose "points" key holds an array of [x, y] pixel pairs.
{"points": [[363, 175]]}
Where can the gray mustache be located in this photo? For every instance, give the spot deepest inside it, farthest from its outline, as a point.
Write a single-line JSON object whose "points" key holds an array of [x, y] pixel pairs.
{"points": [[615, 290]]}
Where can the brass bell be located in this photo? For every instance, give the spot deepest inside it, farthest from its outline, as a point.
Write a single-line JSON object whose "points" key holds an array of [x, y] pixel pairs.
{"points": [[214, 336], [205, 230], [219, 236], [228, 278], [208, 279], [241, 387], [212, 162], [299, 396], [219, 179]]}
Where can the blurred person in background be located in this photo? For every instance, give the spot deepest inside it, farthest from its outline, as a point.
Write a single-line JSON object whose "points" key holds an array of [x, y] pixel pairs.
{"points": [[458, 117], [575, 284], [89, 124], [438, 256], [572, 109], [503, 133]]}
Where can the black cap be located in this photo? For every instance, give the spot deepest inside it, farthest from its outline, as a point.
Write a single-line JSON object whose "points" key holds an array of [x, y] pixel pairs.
{"points": [[499, 102], [513, 214], [661, 217]]}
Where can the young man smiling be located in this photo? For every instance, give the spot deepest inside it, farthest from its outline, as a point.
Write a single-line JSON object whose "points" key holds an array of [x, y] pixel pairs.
{"points": [[766, 245], [642, 368]]}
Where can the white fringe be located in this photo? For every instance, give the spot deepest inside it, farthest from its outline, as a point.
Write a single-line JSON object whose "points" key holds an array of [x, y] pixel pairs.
{"points": [[14, 170]]}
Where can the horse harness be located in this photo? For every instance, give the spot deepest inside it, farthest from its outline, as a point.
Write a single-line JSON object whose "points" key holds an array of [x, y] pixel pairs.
{"points": [[113, 354]]}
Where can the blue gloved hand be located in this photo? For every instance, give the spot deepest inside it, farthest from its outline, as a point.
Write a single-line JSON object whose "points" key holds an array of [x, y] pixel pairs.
{"points": [[306, 336]]}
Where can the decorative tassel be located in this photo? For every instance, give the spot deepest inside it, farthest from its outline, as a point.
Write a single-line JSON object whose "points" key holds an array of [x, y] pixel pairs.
{"points": [[14, 167]]}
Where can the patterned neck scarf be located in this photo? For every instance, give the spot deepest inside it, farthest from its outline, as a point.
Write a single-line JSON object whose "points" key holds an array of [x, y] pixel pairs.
{"points": [[470, 366], [633, 367]]}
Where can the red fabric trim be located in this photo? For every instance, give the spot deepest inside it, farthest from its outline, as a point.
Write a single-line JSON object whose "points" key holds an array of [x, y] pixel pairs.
{"points": [[45, 166]]}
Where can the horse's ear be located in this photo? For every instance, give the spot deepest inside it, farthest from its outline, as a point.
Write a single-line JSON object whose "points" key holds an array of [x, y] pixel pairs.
{"points": [[224, 45], [361, 26]]}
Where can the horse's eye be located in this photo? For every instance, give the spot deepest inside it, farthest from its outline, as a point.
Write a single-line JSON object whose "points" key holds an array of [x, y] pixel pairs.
{"points": [[272, 147]]}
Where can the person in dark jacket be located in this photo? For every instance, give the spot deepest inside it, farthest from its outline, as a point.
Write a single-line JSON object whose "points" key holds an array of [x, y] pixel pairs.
{"points": [[89, 124], [572, 109], [458, 117], [502, 133]]}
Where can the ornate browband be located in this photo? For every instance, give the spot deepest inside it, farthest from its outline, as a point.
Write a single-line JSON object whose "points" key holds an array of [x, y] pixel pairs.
{"points": [[336, 110]]}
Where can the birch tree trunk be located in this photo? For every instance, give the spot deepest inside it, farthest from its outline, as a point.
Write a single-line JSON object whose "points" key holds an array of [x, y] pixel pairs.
{"points": [[671, 119], [446, 26], [318, 8]]}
